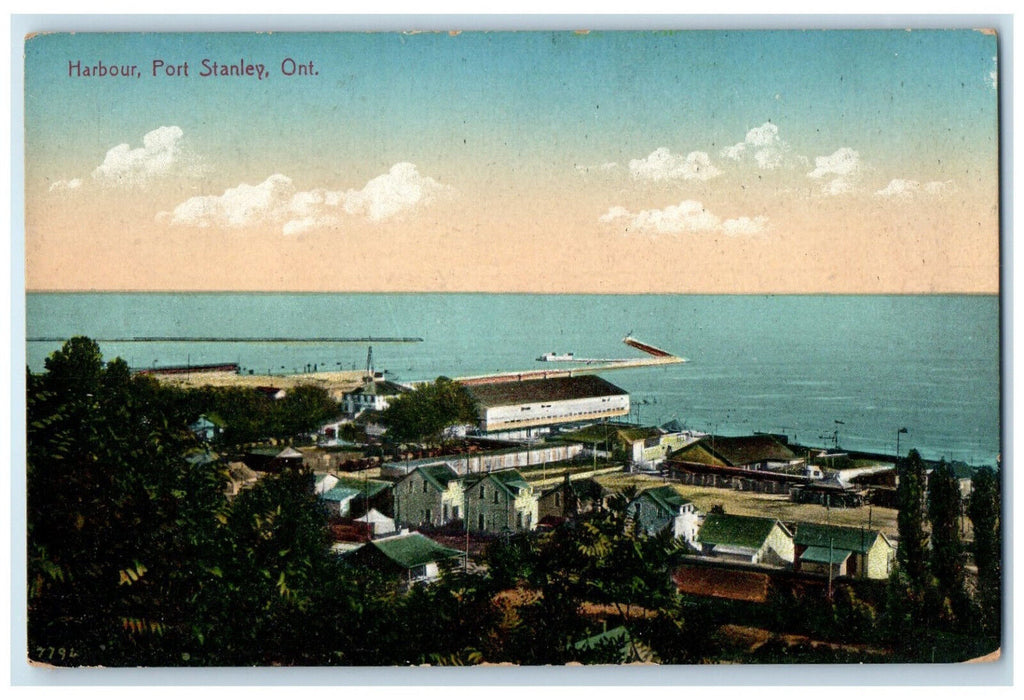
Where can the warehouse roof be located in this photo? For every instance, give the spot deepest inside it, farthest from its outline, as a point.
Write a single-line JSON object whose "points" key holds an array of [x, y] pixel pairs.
{"points": [[539, 390]]}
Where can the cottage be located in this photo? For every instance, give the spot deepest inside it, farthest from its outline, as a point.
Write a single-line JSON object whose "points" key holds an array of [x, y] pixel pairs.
{"points": [[429, 495], [501, 501], [662, 508], [412, 556], [373, 493], [208, 427], [272, 459], [338, 500], [846, 551], [372, 396], [746, 539]]}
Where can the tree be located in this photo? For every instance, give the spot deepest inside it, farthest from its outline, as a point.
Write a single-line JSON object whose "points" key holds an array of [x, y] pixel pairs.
{"points": [[944, 510], [983, 508], [304, 408], [119, 521], [425, 413], [911, 554]]}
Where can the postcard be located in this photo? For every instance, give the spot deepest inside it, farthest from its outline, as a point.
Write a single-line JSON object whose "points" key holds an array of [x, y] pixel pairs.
{"points": [[531, 348]]}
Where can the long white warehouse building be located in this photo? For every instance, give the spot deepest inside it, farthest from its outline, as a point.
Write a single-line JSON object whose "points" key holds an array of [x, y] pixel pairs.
{"points": [[515, 405]]}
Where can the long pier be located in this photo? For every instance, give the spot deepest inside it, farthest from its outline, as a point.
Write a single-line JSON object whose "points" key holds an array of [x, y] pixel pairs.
{"points": [[658, 358], [218, 339]]}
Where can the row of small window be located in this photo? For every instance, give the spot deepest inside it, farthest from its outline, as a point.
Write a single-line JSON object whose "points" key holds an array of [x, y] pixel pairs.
{"points": [[522, 520], [561, 415]]}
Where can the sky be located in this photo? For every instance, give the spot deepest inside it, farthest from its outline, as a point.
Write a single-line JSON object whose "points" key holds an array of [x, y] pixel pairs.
{"points": [[603, 162]]}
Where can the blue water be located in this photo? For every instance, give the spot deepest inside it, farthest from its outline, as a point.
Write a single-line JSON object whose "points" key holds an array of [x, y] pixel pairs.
{"points": [[787, 364]]}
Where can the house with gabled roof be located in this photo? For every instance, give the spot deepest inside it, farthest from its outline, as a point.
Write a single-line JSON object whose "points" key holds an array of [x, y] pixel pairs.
{"points": [[208, 427], [501, 501], [746, 539], [372, 396], [660, 508], [338, 499], [846, 551], [412, 556], [429, 495], [273, 459]]}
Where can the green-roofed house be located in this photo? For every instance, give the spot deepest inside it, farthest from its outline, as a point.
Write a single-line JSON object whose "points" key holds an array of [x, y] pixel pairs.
{"points": [[429, 495], [746, 539], [661, 508], [500, 501], [411, 555], [373, 493], [208, 427], [847, 551], [339, 500]]}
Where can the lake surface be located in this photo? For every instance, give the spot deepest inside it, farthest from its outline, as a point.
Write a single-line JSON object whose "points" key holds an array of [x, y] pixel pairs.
{"points": [[786, 364]]}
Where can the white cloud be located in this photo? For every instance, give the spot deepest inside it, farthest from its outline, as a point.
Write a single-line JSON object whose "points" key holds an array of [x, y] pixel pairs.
{"points": [[993, 76], [837, 186], [688, 216], [65, 185], [244, 205], [745, 226], [662, 164], [937, 187], [899, 188], [842, 167], [843, 162], [275, 201], [161, 154], [763, 142], [398, 190]]}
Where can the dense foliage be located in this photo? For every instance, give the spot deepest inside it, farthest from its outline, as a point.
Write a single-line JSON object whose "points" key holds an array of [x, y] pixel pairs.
{"points": [[984, 509], [425, 413], [945, 509]]}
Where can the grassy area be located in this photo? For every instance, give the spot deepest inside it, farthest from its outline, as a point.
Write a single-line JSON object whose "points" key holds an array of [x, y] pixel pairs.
{"points": [[765, 505]]}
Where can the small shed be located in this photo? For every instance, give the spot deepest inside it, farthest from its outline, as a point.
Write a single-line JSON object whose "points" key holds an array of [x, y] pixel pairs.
{"points": [[339, 500]]}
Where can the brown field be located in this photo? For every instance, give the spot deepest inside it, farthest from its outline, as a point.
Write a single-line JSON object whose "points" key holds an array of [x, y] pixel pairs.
{"points": [[765, 505], [336, 383]]}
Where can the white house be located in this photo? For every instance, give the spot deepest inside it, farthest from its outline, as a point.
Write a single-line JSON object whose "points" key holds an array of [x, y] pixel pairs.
{"points": [[372, 396], [663, 508]]}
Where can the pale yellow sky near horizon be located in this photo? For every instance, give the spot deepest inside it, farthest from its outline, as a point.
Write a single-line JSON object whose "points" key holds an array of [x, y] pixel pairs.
{"points": [[827, 246]]}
